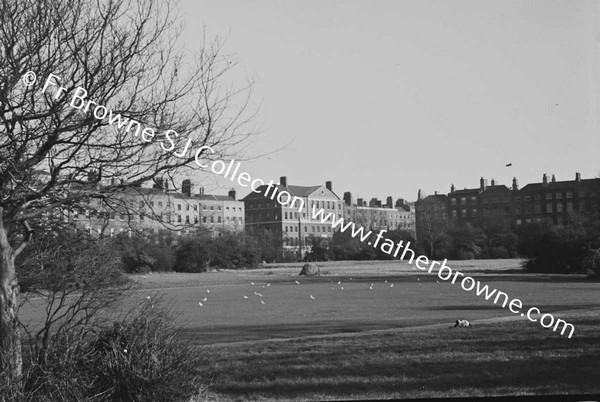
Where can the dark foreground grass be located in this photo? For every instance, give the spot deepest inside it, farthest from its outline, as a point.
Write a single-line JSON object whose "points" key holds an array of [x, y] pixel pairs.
{"points": [[493, 359]]}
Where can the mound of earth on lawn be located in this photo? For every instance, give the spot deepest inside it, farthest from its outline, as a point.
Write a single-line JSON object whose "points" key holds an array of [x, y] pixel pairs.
{"points": [[310, 270]]}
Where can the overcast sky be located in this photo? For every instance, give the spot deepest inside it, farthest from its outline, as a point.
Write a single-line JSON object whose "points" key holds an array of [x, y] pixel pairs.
{"points": [[386, 97]]}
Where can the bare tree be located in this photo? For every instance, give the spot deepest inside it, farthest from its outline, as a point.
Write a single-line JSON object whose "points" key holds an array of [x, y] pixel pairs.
{"points": [[111, 84], [432, 224]]}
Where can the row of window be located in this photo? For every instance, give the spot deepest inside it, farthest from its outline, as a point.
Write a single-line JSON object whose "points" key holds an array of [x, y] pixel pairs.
{"points": [[315, 229], [317, 204], [549, 196], [194, 206]]}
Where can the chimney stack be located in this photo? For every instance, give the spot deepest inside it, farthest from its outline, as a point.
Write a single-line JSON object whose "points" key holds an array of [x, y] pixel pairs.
{"points": [[577, 177], [389, 202], [419, 195], [553, 179], [231, 193], [328, 186], [452, 188], [201, 191], [493, 182], [482, 184], [283, 181], [186, 187], [515, 185], [359, 202], [545, 179], [348, 198]]}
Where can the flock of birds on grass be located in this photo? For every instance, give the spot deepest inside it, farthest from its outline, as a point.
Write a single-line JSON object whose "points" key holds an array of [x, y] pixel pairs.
{"points": [[268, 284], [459, 323]]}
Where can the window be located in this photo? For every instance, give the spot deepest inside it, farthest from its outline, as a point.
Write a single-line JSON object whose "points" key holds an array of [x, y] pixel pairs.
{"points": [[527, 209], [267, 216], [328, 205], [474, 213], [296, 229], [204, 219], [187, 219], [142, 217], [494, 199], [168, 203], [527, 198], [195, 207], [187, 207], [569, 206], [178, 218], [141, 204], [212, 207], [549, 208], [452, 201], [473, 200], [463, 200], [219, 219], [313, 229], [518, 221], [537, 208], [226, 208], [517, 199], [240, 220], [204, 207], [518, 210], [537, 197], [212, 219], [558, 196], [195, 219], [464, 212], [286, 215], [286, 229], [160, 203], [151, 203], [548, 196], [179, 207], [219, 208], [559, 207], [569, 194], [484, 201], [454, 213], [318, 228]]}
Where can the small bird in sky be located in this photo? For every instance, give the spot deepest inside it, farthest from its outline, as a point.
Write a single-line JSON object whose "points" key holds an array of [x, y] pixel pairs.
{"points": [[258, 294], [342, 288], [339, 282], [200, 304], [207, 290], [297, 283], [386, 281], [392, 285], [252, 283], [206, 298], [245, 297], [262, 302], [508, 164], [312, 297], [268, 284]]}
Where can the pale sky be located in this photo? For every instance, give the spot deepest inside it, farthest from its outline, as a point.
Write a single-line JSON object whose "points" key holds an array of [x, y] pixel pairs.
{"points": [[386, 97]]}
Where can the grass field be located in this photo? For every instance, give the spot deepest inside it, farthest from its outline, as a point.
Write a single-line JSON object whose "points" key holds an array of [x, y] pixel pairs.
{"points": [[315, 340]]}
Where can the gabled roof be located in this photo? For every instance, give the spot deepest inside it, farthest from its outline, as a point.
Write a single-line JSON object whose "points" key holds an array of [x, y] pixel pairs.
{"points": [[295, 191]]}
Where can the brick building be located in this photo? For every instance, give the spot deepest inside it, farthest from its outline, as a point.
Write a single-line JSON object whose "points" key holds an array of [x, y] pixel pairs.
{"points": [[548, 200], [292, 224]]}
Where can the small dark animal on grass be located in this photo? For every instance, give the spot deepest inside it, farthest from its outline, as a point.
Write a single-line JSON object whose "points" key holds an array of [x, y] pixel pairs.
{"points": [[463, 323]]}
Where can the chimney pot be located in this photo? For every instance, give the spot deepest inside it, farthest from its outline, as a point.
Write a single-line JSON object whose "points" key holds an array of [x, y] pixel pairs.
{"points": [[328, 186], [232, 193], [545, 179], [283, 181], [553, 179], [577, 177]]}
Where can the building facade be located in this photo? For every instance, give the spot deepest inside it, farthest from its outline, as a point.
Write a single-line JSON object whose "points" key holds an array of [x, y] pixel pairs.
{"points": [[150, 210], [375, 215], [291, 222], [549, 200]]}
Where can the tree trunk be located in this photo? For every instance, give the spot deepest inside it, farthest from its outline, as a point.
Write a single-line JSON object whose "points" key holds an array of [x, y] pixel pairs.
{"points": [[10, 339]]}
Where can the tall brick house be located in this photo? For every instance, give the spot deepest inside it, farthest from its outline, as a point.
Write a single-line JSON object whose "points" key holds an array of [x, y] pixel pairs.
{"points": [[292, 223]]}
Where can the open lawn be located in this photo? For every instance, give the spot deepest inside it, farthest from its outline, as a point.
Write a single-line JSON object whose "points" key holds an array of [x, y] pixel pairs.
{"points": [[380, 330]]}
